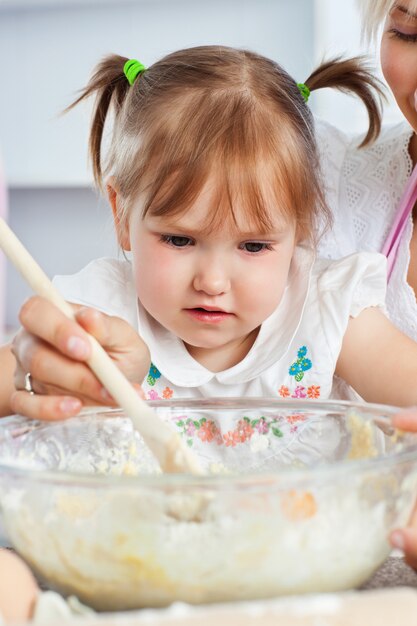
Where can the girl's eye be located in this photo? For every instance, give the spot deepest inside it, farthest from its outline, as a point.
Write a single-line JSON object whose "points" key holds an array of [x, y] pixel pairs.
{"points": [[255, 246], [177, 241], [409, 37]]}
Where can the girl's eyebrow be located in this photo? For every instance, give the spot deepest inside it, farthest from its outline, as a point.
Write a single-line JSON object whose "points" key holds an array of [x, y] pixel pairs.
{"points": [[405, 10], [183, 228]]}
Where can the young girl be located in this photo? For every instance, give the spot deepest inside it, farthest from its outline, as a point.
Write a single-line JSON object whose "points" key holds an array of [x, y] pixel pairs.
{"points": [[213, 177]]}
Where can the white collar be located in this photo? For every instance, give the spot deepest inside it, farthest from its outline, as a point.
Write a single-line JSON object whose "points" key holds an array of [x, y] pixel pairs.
{"points": [[170, 356]]}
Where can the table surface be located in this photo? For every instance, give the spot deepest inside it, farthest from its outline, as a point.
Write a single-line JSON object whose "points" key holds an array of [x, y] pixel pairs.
{"points": [[393, 573]]}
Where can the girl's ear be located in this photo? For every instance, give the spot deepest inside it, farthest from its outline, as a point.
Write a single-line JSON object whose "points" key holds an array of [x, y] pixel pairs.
{"points": [[121, 226]]}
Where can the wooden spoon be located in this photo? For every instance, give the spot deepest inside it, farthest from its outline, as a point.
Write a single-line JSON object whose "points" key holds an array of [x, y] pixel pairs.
{"points": [[169, 449]]}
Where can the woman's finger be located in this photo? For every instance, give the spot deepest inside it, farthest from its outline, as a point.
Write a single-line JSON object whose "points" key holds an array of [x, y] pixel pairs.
{"points": [[405, 539], [42, 389], [44, 407], [42, 319], [100, 326], [119, 340], [406, 420], [53, 373], [49, 351]]}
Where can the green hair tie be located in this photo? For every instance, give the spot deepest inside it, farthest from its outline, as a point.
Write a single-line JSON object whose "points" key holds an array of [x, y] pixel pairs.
{"points": [[304, 91], [132, 68]]}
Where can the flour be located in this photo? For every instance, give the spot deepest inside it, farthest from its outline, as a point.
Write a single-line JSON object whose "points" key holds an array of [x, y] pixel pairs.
{"points": [[120, 550]]}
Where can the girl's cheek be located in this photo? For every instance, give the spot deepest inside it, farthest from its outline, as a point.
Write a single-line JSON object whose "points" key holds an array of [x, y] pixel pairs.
{"points": [[164, 265]]}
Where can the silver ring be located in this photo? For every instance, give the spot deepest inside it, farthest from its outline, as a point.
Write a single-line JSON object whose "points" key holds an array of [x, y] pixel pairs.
{"points": [[28, 384]]}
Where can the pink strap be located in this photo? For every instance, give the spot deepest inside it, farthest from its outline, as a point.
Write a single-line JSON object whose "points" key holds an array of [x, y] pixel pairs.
{"points": [[404, 210]]}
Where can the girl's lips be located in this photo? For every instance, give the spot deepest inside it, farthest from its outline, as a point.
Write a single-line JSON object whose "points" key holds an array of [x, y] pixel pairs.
{"points": [[210, 317]]}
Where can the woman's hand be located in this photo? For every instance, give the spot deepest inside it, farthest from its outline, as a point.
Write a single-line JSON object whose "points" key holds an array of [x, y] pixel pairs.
{"points": [[18, 588], [55, 349], [405, 539]]}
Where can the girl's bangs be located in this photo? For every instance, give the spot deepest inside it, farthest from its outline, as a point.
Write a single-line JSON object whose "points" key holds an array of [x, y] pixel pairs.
{"points": [[250, 191]]}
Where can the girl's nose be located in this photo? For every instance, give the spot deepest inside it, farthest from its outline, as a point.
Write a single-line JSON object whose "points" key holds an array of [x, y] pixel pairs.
{"points": [[212, 279]]}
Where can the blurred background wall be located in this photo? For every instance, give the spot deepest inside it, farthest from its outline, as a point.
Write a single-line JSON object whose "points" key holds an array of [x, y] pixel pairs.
{"points": [[47, 50]]}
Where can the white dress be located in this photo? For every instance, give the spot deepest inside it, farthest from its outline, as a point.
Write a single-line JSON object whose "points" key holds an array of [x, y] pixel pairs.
{"points": [[364, 187], [294, 356]]}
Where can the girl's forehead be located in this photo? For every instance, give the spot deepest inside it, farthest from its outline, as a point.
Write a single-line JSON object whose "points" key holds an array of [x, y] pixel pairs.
{"points": [[230, 199], [206, 219]]}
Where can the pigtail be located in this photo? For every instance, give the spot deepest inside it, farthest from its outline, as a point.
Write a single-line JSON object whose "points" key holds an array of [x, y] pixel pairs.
{"points": [[352, 75], [111, 86]]}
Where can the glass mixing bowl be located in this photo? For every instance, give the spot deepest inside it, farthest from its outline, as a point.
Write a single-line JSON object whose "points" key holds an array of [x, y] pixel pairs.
{"points": [[299, 497]]}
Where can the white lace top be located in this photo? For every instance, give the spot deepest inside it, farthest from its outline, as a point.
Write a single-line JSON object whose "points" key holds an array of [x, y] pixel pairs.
{"points": [[364, 187]]}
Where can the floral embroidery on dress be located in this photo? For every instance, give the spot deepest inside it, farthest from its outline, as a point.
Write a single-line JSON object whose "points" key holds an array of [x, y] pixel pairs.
{"points": [[284, 392], [167, 393], [206, 430], [153, 375], [153, 394], [296, 417], [313, 392], [246, 429], [297, 369], [231, 439], [301, 365], [299, 392]]}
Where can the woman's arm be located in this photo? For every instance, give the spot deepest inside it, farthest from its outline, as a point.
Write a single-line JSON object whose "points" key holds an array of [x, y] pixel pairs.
{"points": [[18, 589], [7, 368], [380, 363], [378, 360], [405, 539]]}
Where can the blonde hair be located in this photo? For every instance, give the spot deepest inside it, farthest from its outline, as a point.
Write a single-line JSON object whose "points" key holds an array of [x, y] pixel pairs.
{"points": [[218, 110], [374, 13]]}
